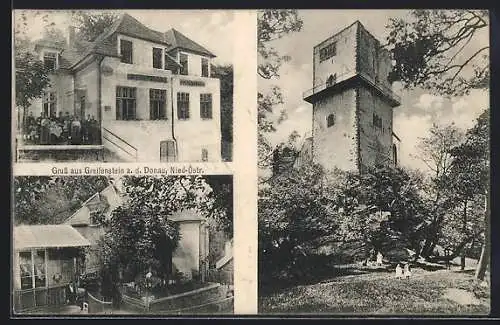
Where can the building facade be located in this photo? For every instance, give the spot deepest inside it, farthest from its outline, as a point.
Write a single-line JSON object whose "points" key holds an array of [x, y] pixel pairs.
{"points": [[46, 258], [150, 92], [352, 101]]}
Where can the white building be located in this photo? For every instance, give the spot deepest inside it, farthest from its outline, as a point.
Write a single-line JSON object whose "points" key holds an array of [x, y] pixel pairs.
{"points": [[150, 91]]}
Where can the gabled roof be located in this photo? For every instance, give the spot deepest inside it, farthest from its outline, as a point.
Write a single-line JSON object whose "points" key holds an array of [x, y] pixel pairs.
{"points": [[128, 26], [107, 200], [47, 236], [179, 40]]}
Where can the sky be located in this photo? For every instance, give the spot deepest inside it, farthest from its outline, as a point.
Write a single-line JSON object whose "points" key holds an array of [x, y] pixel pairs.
{"points": [[213, 29], [418, 110]]}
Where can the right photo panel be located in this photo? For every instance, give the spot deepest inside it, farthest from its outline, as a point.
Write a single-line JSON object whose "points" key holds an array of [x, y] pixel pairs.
{"points": [[373, 140]]}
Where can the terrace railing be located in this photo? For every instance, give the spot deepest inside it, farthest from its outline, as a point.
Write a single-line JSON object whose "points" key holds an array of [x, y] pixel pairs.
{"points": [[97, 306], [30, 299], [120, 143]]}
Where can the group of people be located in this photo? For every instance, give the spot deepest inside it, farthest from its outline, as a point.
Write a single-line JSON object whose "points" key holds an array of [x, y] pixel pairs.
{"points": [[403, 272], [62, 129]]}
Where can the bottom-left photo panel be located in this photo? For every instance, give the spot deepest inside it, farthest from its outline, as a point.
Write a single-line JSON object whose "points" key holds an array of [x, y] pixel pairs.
{"points": [[140, 245]]}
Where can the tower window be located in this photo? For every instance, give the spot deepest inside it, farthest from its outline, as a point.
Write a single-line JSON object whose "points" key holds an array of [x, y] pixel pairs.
{"points": [[377, 121], [328, 51], [330, 120], [204, 154]]}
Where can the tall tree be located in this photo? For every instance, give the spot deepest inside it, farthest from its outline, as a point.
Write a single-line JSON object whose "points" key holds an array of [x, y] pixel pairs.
{"points": [[438, 50], [50, 200], [393, 196], [32, 78], [92, 24], [272, 24], [220, 197], [434, 152], [471, 171], [293, 211]]}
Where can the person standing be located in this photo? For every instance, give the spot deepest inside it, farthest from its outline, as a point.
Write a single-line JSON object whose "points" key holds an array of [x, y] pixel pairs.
{"points": [[30, 121], [399, 272], [70, 293], [76, 131], [44, 130], [407, 271]]}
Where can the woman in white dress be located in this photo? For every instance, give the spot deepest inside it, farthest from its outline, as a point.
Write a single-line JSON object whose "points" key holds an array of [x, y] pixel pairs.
{"points": [[399, 271], [407, 271]]}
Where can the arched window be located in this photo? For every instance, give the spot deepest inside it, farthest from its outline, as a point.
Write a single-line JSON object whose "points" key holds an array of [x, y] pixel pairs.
{"points": [[395, 154], [330, 120]]}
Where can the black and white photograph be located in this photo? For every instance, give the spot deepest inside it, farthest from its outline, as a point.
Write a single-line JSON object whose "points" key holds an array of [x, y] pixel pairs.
{"points": [[123, 85], [135, 245], [373, 143]]}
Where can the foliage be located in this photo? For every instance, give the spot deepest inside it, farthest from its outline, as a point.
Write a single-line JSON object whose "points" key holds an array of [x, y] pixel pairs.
{"points": [[272, 24], [32, 78], [221, 198], [293, 210], [285, 154], [395, 207], [50, 200], [433, 50], [225, 74], [141, 234], [55, 34], [435, 151], [92, 24], [471, 180], [306, 208]]}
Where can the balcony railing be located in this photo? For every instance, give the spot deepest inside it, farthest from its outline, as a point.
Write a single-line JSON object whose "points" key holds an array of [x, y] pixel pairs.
{"points": [[382, 88], [395, 98], [323, 86]]}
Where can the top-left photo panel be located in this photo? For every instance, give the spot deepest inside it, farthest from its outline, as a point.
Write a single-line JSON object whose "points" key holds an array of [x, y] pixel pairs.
{"points": [[123, 85]]}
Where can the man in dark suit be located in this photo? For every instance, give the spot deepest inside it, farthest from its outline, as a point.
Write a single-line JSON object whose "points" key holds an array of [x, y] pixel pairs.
{"points": [[71, 293]]}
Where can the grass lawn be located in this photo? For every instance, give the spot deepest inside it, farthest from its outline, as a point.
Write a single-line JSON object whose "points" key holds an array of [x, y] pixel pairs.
{"points": [[380, 293]]}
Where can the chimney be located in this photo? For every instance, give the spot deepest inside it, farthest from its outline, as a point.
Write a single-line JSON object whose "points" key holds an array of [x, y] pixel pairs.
{"points": [[71, 36]]}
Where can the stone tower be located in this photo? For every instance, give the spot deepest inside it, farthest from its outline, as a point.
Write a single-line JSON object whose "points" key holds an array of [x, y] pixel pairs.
{"points": [[352, 101]]}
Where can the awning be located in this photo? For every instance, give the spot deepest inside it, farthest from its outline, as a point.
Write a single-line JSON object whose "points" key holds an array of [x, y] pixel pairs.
{"points": [[47, 236]]}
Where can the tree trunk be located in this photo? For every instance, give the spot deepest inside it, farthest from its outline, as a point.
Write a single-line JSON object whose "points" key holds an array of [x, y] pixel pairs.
{"points": [[464, 230], [484, 260]]}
